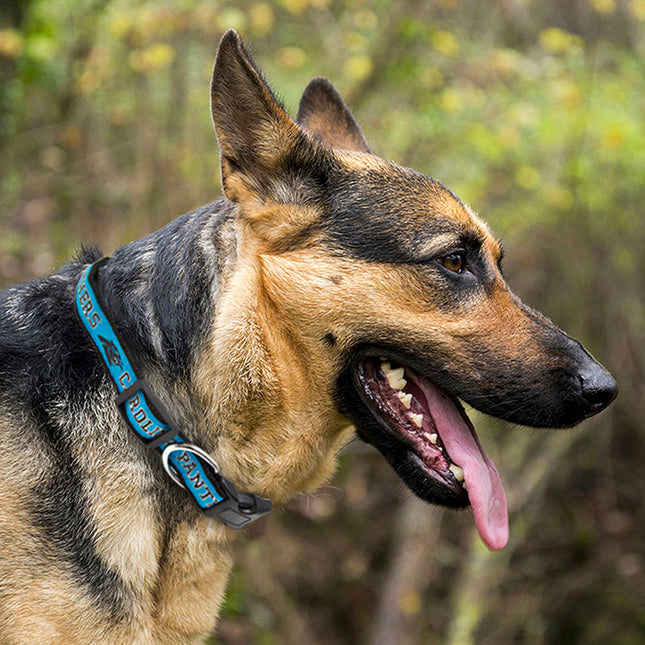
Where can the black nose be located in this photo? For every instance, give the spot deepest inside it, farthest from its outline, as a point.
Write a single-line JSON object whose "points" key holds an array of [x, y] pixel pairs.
{"points": [[599, 388]]}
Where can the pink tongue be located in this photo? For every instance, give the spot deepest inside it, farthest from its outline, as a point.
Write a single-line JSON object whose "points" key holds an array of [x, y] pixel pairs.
{"points": [[485, 488]]}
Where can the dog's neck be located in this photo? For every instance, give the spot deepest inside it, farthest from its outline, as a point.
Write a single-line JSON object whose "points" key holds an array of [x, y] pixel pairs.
{"points": [[256, 379], [223, 356]]}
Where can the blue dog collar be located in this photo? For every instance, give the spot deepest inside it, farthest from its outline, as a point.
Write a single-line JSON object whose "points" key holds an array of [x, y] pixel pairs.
{"points": [[187, 465]]}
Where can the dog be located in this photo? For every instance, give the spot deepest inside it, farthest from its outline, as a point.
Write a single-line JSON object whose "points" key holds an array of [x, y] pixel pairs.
{"points": [[329, 292]]}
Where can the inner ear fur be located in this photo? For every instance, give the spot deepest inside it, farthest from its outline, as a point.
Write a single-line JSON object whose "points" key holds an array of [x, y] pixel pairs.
{"points": [[324, 114], [259, 143]]}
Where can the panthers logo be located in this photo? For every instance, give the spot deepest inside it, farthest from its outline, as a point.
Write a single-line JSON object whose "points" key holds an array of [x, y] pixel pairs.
{"points": [[112, 355]]}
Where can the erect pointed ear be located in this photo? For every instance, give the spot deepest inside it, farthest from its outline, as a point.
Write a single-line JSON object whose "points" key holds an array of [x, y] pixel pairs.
{"points": [[258, 140], [323, 113]]}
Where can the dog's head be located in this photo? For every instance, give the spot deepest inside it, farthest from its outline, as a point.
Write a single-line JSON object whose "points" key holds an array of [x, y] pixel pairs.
{"points": [[390, 288]]}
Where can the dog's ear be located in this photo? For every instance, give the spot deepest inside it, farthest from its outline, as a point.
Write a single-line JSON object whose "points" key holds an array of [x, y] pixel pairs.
{"points": [[257, 139], [323, 113]]}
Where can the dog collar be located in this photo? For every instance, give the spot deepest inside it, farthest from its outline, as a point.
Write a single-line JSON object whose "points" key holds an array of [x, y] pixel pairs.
{"points": [[188, 465]]}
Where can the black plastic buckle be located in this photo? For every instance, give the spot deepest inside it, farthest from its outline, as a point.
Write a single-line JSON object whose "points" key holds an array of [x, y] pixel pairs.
{"points": [[238, 509], [235, 509]]}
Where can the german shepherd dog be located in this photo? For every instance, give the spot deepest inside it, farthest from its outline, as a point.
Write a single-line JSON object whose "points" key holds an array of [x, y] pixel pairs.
{"points": [[328, 288]]}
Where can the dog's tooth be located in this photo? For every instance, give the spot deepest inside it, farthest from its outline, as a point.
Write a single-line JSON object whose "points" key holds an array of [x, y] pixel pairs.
{"points": [[385, 366], [417, 419], [406, 399], [395, 378], [457, 471], [432, 438]]}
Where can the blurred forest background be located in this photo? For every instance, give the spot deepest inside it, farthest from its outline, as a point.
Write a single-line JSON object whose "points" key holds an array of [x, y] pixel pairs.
{"points": [[533, 112]]}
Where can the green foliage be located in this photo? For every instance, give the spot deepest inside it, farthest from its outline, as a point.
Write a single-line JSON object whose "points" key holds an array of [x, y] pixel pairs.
{"points": [[532, 112]]}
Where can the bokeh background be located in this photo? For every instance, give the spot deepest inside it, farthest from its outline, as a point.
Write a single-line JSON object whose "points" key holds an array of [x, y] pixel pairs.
{"points": [[532, 111]]}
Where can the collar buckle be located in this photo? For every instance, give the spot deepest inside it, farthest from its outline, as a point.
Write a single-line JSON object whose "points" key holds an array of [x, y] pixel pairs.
{"points": [[235, 509]]}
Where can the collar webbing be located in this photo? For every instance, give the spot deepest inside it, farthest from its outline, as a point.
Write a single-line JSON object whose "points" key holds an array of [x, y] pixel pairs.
{"points": [[188, 465]]}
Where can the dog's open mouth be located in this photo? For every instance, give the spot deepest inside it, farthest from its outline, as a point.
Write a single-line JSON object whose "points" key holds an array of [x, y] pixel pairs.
{"points": [[435, 440]]}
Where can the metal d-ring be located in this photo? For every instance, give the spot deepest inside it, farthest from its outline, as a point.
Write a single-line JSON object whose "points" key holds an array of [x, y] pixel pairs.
{"points": [[184, 447]]}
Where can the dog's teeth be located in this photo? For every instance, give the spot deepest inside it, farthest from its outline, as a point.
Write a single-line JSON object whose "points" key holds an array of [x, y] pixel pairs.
{"points": [[406, 399], [417, 419], [432, 438], [457, 471], [385, 366], [395, 378]]}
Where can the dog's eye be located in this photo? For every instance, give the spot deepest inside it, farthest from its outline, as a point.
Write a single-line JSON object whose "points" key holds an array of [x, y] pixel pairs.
{"points": [[454, 262]]}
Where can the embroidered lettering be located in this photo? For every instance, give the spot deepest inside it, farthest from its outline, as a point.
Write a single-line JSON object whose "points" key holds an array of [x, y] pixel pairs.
{"points": [[197, 480], [207, 495], [125, 380], [146, 425], [87, 307]]}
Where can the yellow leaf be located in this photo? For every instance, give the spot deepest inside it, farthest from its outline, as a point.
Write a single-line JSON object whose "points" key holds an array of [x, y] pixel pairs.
{"points": [[120, 114], [558, 197], [262, 18], [120, 25], [524, 114], [509, 137], [614, 137], [365, 19], [87, 82], [410, 603], [41, 47], [294, 6], [151, 58], [558, 41], [446, 43], [450, 101], [568, 92], [637, 8], [604, 6], [232, 17], [355, 41], [72, 137], [431, 77], [358, 67], [292, 57], [527, 177], [11, 43], [205, 18], [505, 61]]}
